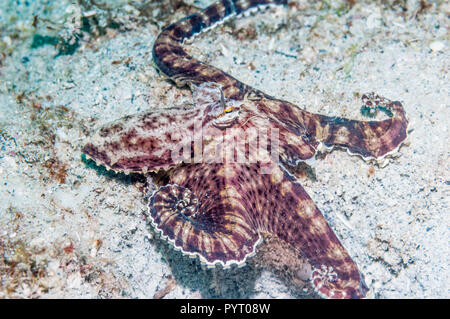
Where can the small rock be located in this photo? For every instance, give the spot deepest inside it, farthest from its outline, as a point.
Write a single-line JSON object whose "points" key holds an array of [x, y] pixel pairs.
{"points": [[436, 46]]}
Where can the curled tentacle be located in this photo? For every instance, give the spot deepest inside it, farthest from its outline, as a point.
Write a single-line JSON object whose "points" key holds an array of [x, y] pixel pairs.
{"points": [[202, 216], [371, 139]]}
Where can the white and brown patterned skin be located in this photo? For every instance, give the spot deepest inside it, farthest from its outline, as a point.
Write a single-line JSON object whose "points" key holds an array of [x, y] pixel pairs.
{"points": [[217, 210]]}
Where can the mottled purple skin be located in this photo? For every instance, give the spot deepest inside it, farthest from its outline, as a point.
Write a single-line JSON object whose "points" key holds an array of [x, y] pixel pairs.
{"points": [[218, 211]]}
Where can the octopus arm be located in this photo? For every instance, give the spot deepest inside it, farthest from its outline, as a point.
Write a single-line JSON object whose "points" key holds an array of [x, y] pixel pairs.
{"points": [[288, 136], [146, 142], [290, 214], [201, 213], [174, 62], [369, 139], [303, 132]]}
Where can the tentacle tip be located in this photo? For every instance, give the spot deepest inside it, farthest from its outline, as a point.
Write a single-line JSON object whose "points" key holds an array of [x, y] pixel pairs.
{"points": [[373, 102], [327, 284], [368, 111], [371, 112]]}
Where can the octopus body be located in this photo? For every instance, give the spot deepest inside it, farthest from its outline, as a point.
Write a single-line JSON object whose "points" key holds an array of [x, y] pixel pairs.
{"points": [[227, 156]]}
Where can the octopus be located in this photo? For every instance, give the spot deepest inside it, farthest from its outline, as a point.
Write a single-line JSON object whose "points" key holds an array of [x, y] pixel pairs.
{"points": [[227, 156]]}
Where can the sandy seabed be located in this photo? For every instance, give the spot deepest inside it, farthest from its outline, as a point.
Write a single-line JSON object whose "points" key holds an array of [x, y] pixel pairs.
{"points": [[70, 230]]}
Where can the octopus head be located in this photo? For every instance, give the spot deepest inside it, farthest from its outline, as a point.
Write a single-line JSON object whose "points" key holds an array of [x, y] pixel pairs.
{"points": [[228, 116], [223, 113]]}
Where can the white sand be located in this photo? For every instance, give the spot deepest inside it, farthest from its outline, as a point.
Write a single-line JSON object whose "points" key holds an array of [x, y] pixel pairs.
{"points": [[83, 235]]}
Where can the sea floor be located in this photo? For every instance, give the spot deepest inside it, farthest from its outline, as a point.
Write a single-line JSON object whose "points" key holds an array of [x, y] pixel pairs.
{"points": [[70, 230]]}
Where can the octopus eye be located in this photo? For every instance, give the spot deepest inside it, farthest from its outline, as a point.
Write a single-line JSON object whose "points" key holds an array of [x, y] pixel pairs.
{"points": [[228, 110], [227, 119], [215, 110]]}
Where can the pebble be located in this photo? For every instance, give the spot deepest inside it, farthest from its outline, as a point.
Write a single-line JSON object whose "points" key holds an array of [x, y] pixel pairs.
{"points": [[436, 46]]}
